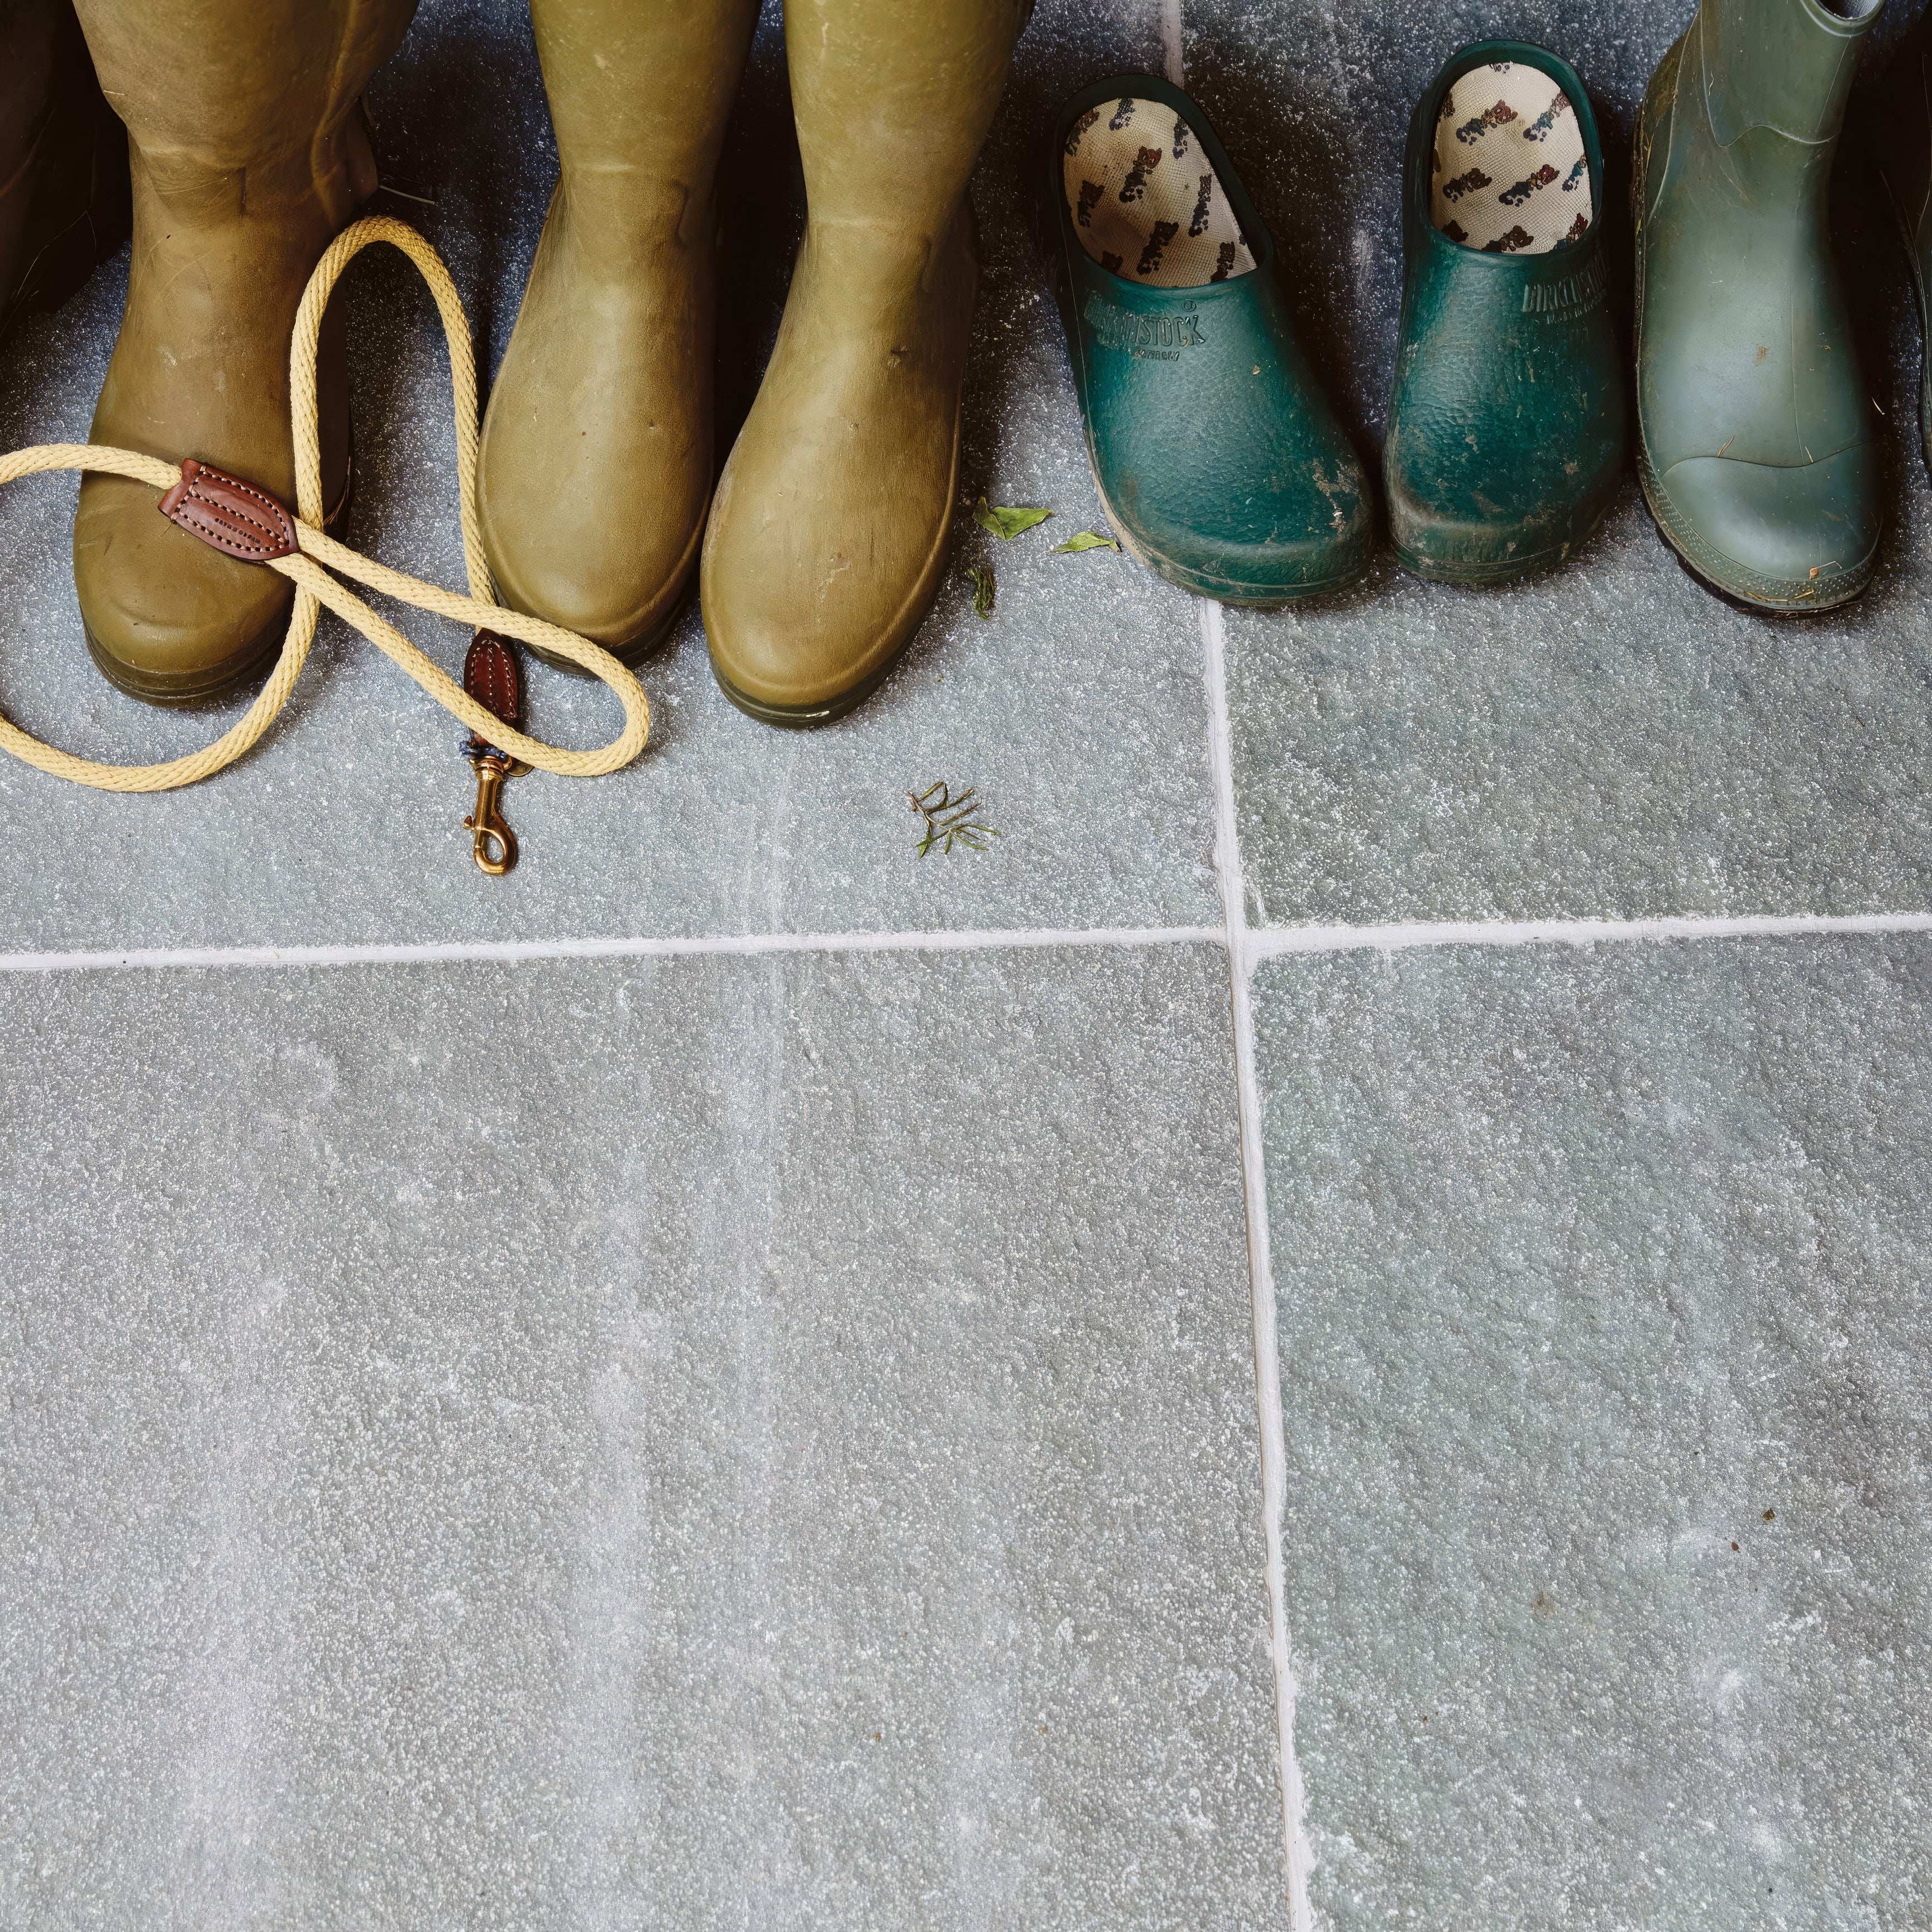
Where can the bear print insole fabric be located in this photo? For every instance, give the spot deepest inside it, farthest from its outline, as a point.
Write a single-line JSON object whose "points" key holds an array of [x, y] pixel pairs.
{"points": [[1510, 176], [1145, 201]]}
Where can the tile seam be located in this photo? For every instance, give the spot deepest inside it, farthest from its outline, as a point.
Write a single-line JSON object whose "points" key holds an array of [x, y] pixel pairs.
{"points": [[1173, 54], [1286, 942], [1254, 1176], [517, 952], [1256, 945], [1261, 1269]]}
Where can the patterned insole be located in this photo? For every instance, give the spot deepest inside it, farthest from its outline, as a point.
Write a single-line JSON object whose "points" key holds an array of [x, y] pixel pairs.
{"points": [[1145, 201], [1509, 175]]}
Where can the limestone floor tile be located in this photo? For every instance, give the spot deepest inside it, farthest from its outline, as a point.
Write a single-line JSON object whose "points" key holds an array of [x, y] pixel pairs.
{"points": [[1076, 709], [1602, 1281], [1609, 741], [700, 1443]]}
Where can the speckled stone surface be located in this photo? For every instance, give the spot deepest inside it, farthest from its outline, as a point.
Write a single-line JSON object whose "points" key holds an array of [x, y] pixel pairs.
{"points": [[774, 1445], [1612, 741], [1604, 1325], [1076, 709]]}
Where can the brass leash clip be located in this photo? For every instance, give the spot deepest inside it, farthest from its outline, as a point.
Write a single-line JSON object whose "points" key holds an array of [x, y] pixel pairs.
{"points": [[492, 677]]}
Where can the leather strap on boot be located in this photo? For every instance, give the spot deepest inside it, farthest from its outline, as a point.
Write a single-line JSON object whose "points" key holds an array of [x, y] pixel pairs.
{"points": [[241, 520]]}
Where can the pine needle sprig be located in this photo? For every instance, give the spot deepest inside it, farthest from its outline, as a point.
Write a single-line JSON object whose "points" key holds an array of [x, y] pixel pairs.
{"points": [[950, 820]]}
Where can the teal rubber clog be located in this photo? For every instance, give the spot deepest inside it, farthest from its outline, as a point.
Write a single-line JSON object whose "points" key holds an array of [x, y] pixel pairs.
{"points": [[1219, 460], [1508, 431]]}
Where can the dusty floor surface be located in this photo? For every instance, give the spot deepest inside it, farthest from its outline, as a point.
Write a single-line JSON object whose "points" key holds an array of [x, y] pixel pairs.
{"points": [[1199, 1369]]}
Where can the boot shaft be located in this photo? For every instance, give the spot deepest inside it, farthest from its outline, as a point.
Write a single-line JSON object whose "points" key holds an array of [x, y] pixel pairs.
{"points": [[230, 101], [1786, 66], [645, 89], [893, 100]]}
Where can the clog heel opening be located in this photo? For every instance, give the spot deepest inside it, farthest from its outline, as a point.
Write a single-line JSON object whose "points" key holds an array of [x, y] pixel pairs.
{"points": [[1146, 203], [1509, 175]]}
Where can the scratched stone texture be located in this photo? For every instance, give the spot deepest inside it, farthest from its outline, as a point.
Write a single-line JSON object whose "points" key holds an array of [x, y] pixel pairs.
{"points": [[1605, 1317]]}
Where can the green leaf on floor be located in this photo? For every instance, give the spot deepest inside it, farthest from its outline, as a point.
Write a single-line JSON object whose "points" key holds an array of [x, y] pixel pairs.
{"points": [[950, 819], [1007, 521], [1086, 540], [980, 576]]}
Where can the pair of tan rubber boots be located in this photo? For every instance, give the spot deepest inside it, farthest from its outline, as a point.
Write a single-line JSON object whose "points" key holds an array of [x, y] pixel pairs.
{"points": [[823, 545]]}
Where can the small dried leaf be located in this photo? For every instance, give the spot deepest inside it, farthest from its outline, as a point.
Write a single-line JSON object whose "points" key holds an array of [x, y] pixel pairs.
{"points": [[980, 576], [1007, 521], [1086, 540]]}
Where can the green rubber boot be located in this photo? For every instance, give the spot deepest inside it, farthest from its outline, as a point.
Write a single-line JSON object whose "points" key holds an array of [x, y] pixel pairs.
{"points": [[596, 461], [63, 160], [1509, 428], [1755, 444]]}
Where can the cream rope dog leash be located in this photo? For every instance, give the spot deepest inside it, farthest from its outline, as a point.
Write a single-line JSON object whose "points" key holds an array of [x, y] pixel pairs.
{"points": [[314, 587]]}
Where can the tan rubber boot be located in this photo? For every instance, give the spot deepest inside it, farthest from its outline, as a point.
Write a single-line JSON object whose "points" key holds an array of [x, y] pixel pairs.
{"points": [[597, 449], [63, 160], [832, 519], [248, 157]]}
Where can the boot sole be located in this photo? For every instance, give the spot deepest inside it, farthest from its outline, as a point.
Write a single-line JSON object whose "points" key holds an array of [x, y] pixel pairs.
{"points": [[630, 654], [804, 718], [1515, 571], [1196, 584], [172, 694], [207, 686], [633, 651], [1764, 596]]}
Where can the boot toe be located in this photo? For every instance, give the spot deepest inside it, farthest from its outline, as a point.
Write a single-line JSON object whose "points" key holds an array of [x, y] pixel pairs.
{"points": [[1800, 536], [1446, 534], [1239, 544], [782, 652], [1276, 569], [168, 618], [591, 489], [620, 588]]}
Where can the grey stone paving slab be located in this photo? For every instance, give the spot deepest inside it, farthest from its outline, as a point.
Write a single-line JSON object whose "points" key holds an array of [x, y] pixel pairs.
{"points": [[1605, 1329], [714, 1442], [1612, 741], [1076, 709]]}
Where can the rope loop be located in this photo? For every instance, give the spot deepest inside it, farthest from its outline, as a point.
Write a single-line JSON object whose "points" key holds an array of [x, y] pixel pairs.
{"points": [[320, 554]]}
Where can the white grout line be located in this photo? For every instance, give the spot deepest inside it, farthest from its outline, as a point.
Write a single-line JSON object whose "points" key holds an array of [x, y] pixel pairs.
{"points": [[1241, 942], [1253, 946], [1173, 54], [1254, 1181], [1283, 941], [516, 951]]}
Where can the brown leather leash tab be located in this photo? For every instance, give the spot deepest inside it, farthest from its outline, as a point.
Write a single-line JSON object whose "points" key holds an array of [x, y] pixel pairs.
{"points": [[229, 515], [493, 677]]}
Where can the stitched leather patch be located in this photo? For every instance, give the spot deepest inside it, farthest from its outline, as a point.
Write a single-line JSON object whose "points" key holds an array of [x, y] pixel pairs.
{"points": [[229, 515], [491, 676]]}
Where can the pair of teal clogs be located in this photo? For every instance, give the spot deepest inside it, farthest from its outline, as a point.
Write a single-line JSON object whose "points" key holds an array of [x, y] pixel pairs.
{"points": [[1218, 459]]}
